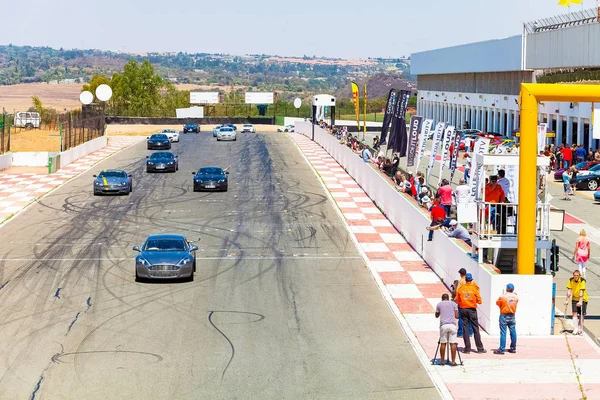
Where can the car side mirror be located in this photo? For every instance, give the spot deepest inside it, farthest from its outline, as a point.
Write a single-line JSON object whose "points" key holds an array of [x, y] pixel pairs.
{"points": [[95, 176], [147, 156], [136, 248], [130, 176], [193, 173], [193, 247], [147, 137], [226, 172]]}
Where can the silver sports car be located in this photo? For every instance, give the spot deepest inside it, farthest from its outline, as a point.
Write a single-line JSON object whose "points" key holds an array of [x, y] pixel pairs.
{"points": [[165, 257]]}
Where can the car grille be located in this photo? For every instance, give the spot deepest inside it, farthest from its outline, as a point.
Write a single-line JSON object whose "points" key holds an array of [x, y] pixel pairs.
{"points": [[163, 267], [164, 274]]}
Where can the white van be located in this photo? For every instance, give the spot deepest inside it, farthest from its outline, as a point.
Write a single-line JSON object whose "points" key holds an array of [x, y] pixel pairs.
{"points": [[27, 119]]}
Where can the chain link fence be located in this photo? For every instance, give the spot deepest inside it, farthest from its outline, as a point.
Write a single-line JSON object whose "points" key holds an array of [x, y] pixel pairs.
{"points": [[77, 128]]}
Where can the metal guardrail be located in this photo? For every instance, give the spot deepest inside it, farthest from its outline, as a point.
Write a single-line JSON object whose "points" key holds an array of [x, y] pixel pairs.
{"points": [[501, 220]]}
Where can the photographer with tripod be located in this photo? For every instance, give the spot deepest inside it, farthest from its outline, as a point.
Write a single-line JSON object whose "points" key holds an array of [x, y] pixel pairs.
{"points": [[447, 312]]}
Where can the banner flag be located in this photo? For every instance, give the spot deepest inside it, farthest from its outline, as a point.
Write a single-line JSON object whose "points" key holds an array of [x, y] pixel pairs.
{"points": [[402, 135], [355, 100], [394, 121], [365, 109], [415, 127], [454, 156], [437, 139], [449, 134], [595, 120], [425, 129], [387, 117], [482, 146], [541, 136]]}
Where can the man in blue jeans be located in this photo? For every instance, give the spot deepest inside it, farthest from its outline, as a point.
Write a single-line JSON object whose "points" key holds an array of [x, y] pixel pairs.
{"points": [[508, 308]]}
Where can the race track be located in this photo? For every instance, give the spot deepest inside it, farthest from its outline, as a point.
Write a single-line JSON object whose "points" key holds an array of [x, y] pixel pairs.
{"points": [[282, 306]]}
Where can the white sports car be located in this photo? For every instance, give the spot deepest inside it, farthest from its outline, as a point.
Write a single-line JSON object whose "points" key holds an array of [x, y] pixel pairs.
{"points": [[226, 133], [287, 128], [172, 134], [248, 128]]}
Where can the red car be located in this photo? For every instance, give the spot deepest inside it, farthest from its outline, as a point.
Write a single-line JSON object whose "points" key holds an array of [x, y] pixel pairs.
{"points": [[582, 166]]}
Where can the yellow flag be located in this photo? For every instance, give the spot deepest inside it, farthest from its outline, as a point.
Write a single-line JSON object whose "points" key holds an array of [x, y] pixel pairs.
{"points": [[355, 100], [566, 3]]}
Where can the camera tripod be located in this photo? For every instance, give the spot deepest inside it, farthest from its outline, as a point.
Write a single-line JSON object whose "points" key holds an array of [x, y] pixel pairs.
{"points": [[447, 360]]}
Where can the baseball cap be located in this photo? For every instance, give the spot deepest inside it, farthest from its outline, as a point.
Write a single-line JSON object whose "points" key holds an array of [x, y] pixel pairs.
{"points": [[453, 222], [462, 271], [510, 286], [469, 277], [425, 199]]}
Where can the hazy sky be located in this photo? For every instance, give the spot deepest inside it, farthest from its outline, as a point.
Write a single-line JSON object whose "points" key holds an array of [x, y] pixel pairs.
{"points": [[350, 28]]}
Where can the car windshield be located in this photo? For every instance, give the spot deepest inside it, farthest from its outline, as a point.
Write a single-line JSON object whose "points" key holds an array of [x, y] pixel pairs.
{"points": [[168, 130], [226, 130], [163, 154], [595, 168], [159, 136], [211, 171], [247, 126], [165, 245], [112, 174]]}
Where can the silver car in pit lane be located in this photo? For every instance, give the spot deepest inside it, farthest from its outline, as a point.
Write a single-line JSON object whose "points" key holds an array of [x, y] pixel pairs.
{"points": [[226, 133], [165, 257]]}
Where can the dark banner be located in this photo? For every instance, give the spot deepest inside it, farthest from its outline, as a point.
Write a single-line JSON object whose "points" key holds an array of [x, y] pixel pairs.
{"points": [[454, 155], [389, 112], [413, 139], [394, 120], [398, 135]]}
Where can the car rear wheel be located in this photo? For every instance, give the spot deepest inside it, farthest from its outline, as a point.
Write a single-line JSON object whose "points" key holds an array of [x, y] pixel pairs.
{"points": [[592, 185]]}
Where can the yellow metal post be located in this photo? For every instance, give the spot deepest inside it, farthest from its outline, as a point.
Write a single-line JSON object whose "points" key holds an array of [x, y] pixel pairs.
{"points": [[531, 94], [527, 191]]}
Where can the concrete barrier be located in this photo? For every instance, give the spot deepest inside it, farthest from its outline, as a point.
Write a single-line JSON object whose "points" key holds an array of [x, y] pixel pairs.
{"points": [[183, 121], [67, 157], [444, 255], [6, 161], [31, 159]]}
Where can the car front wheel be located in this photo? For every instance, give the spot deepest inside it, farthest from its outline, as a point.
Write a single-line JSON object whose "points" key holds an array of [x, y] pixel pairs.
{"points": [[592, 185]]}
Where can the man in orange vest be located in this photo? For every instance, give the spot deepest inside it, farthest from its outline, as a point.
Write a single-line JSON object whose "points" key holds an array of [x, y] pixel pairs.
{"points": [[508, 308], [467, 298]]}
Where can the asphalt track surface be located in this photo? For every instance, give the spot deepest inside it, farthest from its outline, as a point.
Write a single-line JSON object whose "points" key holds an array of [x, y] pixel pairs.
{"points": [[282, 305]]}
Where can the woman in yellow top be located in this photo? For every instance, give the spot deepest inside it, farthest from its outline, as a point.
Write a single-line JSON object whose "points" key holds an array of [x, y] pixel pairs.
{"points": [[576, 289], [582, 251]]}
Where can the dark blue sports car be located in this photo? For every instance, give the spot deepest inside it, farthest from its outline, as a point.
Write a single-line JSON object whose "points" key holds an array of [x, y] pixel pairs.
{"points": [[210, 178], [191, 128], [113, 181], [159, 141], [165, 256], [588, 180], [162, 161]]}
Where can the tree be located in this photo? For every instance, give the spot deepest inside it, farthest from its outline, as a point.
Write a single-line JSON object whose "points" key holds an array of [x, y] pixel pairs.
{"points": [[96, 81]]}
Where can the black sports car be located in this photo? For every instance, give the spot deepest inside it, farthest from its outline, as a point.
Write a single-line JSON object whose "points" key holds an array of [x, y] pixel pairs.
{"points": [[162, 161], [210, 178], [588, 180], [113, 181], [191, 128], [159, 141]]}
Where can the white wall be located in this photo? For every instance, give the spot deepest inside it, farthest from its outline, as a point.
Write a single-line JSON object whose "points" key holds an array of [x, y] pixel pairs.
{"points": [[443, 254], [6, 161], [67, 157], [30, 159], [292, 120]]}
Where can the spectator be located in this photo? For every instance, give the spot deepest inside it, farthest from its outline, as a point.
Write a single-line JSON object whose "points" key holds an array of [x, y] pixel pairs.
{"points": [[438, 214], [590, 156], [508, 308], [445, 195], [580, 153], [567, 156], [426, 202], [398, 178], [466, 175], [459, 232], [447, 312], [566, 177], [467, 298], [494, 195], [515, 149], [597, 155], [366, 154], [462, 193], [395, 163], [408, 180], [503, 182], [582, 251], [577, 290], [573, 181]]}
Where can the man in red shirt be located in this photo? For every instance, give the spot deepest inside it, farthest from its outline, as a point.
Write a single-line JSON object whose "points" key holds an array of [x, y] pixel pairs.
{"points": [[445, 194], [567, 155], [438, 214]]}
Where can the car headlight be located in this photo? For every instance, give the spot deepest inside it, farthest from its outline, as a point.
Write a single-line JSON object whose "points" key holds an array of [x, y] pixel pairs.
{"points": [[124, 183], [170, 163], [150, 163], [142, 261], [199, 181], [185, 261], [221, 181]]}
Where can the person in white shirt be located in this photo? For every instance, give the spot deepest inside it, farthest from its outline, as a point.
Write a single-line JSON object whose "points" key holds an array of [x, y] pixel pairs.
{"points": [[461, 193], [466, 175], [504, 183], [515, 149]]}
